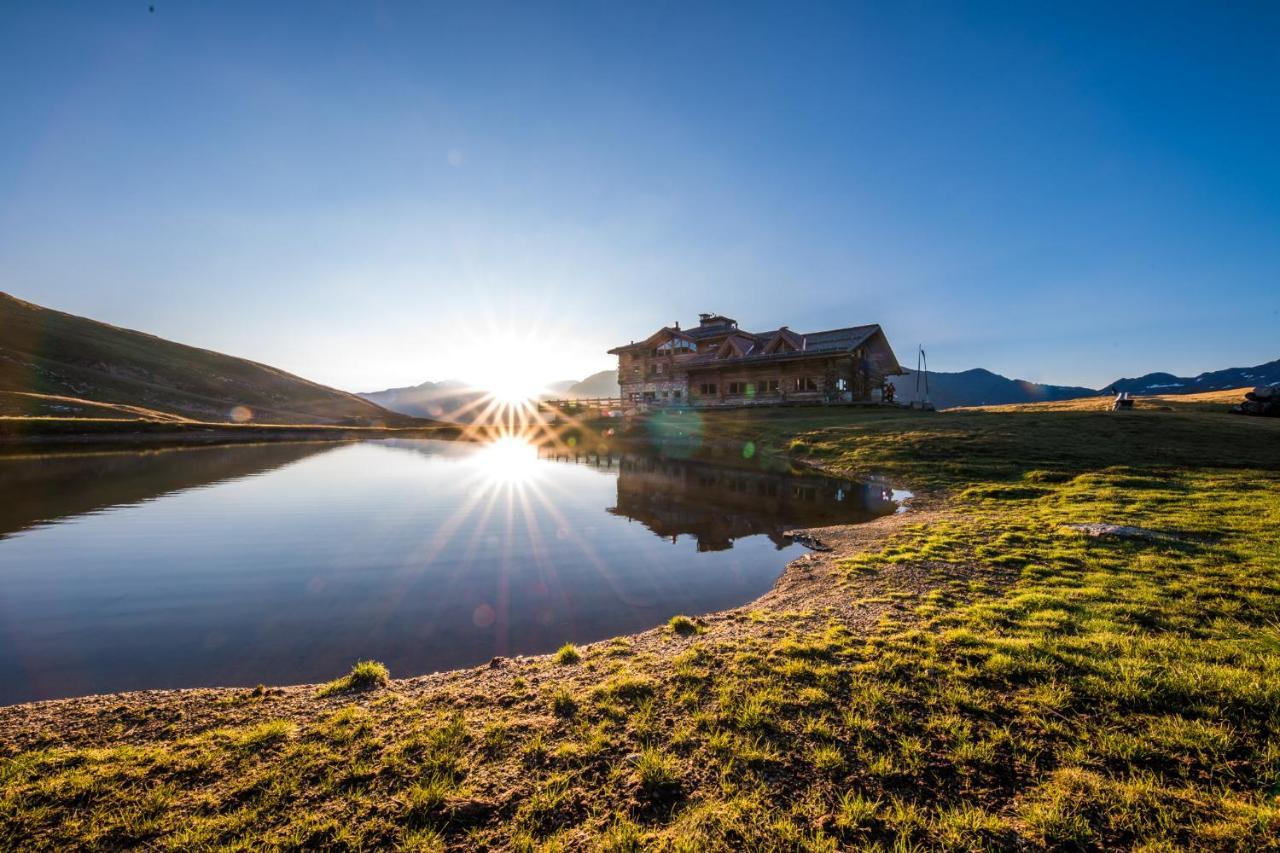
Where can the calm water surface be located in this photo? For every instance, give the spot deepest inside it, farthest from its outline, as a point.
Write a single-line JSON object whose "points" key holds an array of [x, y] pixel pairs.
{"points": [[286, 563]]}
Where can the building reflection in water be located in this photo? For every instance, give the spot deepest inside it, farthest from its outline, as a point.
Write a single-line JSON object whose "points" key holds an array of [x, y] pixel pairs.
{"points": [[718, 503]]}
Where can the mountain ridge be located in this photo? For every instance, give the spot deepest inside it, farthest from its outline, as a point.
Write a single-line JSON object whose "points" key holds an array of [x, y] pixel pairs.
{"points": [[1213, 380]]}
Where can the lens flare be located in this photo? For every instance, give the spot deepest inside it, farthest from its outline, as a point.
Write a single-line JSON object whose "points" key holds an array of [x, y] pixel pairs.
{"points": [[508, 460]]}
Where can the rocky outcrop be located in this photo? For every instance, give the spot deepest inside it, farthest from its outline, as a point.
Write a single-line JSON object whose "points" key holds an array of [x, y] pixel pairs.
{"points": [[1263, 400]]}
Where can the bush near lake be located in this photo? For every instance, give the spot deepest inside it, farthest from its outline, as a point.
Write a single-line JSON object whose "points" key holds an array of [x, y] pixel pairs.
{"points": [[976, 675], [365, 675]]}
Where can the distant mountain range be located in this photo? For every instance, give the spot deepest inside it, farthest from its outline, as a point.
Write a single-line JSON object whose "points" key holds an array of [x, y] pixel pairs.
{"points": [[457, 401], [979, 387], [1217, 380], [449, 400], [602, 384], [56, 364], [976, 387]]}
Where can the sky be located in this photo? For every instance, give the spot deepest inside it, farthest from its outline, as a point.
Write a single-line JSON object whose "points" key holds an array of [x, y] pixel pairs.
{"points": [[377, 194]]}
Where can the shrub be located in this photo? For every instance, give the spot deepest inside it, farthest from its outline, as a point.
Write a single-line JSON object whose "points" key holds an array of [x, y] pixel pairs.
{"points": [[568, 654], [365, 675], [683, 625]]}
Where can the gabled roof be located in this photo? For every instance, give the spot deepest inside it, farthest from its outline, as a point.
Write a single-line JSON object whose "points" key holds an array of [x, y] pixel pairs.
{"points": [[663, 334], [838, 339], [737, 346], [740, 344], [783, 339]]}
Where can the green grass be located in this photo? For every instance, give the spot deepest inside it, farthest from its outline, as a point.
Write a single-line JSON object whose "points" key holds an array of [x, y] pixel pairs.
{"points": [[656, 771], [365, 675], [568, 654], [1023, 687], [683, 625]]}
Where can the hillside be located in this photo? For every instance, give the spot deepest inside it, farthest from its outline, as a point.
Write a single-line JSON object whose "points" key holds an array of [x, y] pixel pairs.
{"points": [[979, 387], [57, 355], [1205, 401], [602, 384], [449, 400], [453, 400]]}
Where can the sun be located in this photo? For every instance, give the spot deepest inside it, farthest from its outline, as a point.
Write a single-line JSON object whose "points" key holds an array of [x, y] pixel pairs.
{"points": [[509, 460], [512, 366], [511, 383]]}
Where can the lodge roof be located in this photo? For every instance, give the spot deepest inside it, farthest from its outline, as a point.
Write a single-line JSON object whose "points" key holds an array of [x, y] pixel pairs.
{"points": [[740, 345]]}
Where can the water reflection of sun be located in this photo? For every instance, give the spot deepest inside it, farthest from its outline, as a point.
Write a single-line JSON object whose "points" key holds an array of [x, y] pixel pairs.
{"points": [[509, 505], [507, 460]]}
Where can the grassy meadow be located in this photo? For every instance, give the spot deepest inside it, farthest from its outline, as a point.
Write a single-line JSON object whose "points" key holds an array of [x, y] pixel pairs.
{"points": [[970, 675]]}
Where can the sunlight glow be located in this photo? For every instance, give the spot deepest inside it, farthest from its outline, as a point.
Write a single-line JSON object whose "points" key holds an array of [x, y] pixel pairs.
{"points": [[512, 362], [508, 460]]}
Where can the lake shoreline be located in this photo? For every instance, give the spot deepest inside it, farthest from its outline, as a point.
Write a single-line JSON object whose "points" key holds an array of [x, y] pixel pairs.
{"points": [[22, 434], [804, 582]]}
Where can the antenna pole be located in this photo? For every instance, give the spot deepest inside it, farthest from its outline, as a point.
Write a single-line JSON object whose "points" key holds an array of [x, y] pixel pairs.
{"points": [[925, 356]]}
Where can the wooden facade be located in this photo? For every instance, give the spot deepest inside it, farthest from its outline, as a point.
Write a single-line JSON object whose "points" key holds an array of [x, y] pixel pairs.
{"points": [[718, 364]]}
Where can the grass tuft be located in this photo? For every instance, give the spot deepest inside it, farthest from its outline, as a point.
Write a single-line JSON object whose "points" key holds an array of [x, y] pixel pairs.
{"points": [[365, 675], [683, 625], [568, 654], [656, 771]]}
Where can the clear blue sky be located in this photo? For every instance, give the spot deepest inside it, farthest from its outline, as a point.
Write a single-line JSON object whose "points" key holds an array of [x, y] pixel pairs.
{"points": [[363, 193]]}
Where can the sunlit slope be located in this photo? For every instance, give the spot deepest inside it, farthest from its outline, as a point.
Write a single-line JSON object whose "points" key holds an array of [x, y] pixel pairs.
{"points": [[25, 404], [1213, 401], [48, 352]]}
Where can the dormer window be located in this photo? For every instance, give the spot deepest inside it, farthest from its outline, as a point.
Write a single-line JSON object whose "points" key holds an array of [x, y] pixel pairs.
{"points": [[675, 346]]}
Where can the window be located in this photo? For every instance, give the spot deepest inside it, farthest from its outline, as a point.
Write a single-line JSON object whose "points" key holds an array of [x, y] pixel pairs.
{"points": [[677, 394], [676, 346], [805, 383], [707, 388], [842, 384], [650, 396], [768, 386]]}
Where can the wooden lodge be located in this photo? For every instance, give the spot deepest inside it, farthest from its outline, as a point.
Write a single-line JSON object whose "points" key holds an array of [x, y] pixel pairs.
{"points": [[718, 364]]}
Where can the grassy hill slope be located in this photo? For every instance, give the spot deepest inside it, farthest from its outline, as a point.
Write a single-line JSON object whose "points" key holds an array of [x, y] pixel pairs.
{"points": [[47, 352]]}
